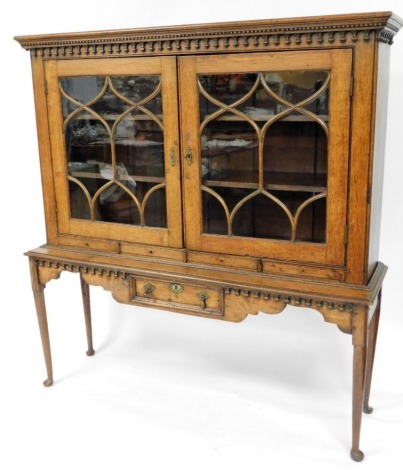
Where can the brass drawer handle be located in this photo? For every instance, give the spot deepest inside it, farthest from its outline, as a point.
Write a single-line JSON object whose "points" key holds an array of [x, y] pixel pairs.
{"points": [[203, 297], [148, 289]]}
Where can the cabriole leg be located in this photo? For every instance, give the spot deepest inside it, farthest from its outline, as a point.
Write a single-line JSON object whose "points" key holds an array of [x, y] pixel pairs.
{"points": [[39, 297], [359, 361], [372, 337], [85, 292]]}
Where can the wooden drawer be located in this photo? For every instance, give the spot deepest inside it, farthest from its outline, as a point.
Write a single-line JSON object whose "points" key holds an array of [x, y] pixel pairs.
{"points": [[191, 298]]}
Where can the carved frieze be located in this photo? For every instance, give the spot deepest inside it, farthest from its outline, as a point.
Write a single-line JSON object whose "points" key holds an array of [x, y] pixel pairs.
{"points": [[295, 301], [241, 302], [238, 302], [115, 281], [242, 36], [75, 268]]}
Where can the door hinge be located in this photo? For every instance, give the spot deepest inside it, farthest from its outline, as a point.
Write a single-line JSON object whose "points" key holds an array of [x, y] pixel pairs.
{"points": [[346, 234], [352, 86], [46, 87]]}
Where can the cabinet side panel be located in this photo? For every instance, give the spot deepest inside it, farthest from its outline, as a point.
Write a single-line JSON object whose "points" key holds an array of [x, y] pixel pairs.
{"points": [[376, 174], [42, 124], [361, 125]]}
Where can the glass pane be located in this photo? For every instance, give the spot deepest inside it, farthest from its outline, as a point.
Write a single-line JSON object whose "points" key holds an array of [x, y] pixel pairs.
{"points": [[295, 152], [113, 131], [214, 219], [109, 106], [300, 87], [82, 89], [82, 131], [136, 88], [140, 147], [80, 207], [264, 141], [229, 151], [312, 222], [154, 212], [118, 206], [227, 88], [263, 218]]}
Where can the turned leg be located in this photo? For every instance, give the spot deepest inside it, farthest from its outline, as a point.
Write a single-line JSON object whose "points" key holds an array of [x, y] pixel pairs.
{"points": [[85, 292], [359, 361], [372, 337], [39, 297]]}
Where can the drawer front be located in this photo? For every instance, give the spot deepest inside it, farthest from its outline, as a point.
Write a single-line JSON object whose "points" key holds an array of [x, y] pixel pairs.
{"points": [[176, 295]]}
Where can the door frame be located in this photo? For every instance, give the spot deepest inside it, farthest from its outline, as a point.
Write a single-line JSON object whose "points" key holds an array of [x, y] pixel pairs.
{"points": [[166, 67], [339, 63]]}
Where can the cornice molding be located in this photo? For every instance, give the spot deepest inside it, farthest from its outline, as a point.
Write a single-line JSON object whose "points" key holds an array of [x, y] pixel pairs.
{"points": [[217, 37]]}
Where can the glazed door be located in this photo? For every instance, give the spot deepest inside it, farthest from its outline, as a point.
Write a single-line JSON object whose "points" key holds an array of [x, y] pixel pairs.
{"points": [[114, 140], [265, 146]]}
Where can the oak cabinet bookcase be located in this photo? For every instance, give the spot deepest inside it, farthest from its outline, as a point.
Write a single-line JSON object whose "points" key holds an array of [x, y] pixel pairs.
{"points": [[219, 170]]}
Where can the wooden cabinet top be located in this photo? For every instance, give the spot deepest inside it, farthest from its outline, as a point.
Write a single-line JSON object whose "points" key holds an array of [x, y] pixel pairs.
{"points": [[348, 51], [218, 37]]}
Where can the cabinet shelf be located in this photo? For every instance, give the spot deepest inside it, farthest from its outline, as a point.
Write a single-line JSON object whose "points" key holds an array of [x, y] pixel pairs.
{"points": [[274, 181], [113, 117], [137, 178], [268, 117]]}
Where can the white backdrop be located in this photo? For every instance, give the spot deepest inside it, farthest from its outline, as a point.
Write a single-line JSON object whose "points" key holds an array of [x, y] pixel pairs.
{"points": [[166, 390]]}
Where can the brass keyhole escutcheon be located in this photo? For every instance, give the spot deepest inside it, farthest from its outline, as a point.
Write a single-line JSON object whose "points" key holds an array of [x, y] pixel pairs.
{"points": [[189, 156], [176, 288], [172, 156]]}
